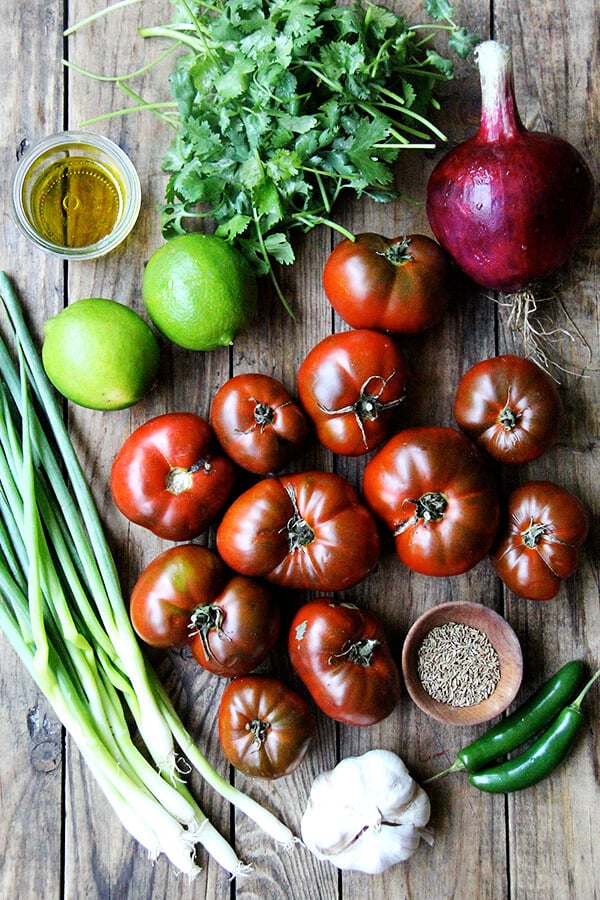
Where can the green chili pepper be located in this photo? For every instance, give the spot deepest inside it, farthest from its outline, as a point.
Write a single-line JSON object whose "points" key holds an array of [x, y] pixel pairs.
{"points": [[541, 758], [529, 718]]}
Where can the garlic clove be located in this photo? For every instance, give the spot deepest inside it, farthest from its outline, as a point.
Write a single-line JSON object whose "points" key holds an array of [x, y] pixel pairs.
{"points": [[331, 823]]}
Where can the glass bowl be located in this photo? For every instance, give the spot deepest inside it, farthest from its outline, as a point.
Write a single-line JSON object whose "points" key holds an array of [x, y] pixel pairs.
{"points": [[75, 195]]}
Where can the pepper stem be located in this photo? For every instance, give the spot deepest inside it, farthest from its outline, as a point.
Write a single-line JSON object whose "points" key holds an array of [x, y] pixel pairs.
{"points": [[579, 699], [457, 766]]}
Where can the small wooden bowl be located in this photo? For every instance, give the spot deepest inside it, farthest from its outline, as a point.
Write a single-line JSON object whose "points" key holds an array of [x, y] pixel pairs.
{"points": [[502, 638]]}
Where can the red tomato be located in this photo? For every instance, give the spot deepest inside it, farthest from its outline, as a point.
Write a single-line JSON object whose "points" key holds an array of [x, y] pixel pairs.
{"points": [[341, 654], [350, 384], [435, 492], [510, 407], [306, 530], [265, 728], [187, 596], [398, 284], [258, 423], [539, 543], [169, 477]]}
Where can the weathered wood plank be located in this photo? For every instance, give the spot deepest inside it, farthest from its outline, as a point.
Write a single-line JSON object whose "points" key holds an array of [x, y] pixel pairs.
{"points": [[31, 737], [552, 824]]}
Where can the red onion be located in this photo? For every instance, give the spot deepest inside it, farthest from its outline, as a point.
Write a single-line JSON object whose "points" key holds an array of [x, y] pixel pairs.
{"points": [[509, 204]]}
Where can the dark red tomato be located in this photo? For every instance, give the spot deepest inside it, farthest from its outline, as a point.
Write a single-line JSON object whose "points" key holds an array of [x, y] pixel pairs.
{"points": [[187, 596], [539, 543], [510, 407], [435, 492], [350, 385], [168, 591], [341, 654], [258, 423], [170, 476], [391, 284], [306, 530], [265, 728]]}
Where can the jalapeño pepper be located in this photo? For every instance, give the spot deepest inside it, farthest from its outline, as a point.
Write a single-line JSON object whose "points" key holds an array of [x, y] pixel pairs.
{"points": [[529, 718], [541, 758]]}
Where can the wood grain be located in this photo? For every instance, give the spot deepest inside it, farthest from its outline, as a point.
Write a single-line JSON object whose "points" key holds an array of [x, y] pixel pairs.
{"points": [[58, 836]]}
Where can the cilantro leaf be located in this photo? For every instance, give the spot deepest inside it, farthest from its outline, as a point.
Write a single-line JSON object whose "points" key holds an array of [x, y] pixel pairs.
{"points": [[439, 9]]}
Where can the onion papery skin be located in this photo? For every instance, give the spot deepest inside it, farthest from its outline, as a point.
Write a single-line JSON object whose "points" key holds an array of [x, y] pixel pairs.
{"points": [[509, 205]]}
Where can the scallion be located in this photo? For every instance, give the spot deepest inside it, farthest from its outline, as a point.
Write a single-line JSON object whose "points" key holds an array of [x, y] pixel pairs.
{"points": [[62, 610]]}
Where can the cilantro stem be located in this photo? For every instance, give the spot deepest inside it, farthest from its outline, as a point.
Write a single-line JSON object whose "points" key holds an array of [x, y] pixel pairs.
{"points": [[348, 177], [319, 72], [98, 14], [142, 107], [120, 78], [327, 201], [312, 220], [410, 112], [175, 34], [392, 126], [267, 260]]}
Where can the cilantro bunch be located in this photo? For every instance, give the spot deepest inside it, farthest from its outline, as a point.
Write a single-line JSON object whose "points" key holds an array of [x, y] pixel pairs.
{"points": [[282, 104]]}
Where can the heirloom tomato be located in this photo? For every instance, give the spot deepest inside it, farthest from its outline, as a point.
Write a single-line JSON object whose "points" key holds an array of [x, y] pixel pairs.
{"points": [[391, 284], [187, 596], [539, 543], [305, 530], [341, 654], [265, 728], [170, 476], [509, 407], [258, 423], [434, 490], [349, 384]]}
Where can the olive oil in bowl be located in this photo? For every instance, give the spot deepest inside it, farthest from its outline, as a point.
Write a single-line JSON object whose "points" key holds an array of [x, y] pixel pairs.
{"points": [[76, 195]]}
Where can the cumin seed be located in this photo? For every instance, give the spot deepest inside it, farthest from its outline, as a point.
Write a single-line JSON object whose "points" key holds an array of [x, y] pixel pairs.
{"points": [[458, 665]]}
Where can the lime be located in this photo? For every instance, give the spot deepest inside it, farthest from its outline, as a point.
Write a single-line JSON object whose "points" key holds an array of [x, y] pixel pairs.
{"points": [[199, 291], [100, 354]]}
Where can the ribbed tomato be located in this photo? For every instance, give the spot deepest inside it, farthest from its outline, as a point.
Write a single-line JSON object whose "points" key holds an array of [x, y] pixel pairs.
{"points": [[305, 530], [171, 477], [187, 596], [341, 654], [435, 492], [540, 541], [391, 284], [265, 728], [350, 384], [510, 407], [258, 423]]}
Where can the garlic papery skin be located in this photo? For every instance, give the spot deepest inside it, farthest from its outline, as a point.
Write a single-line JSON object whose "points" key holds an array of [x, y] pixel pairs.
{"points": [[367, 814]]}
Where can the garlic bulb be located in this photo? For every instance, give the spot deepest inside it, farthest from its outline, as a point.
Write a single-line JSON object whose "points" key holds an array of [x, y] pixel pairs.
{"points": [[367, 814]]}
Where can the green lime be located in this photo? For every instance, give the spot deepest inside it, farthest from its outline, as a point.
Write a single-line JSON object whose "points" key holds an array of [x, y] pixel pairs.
{"points": [[100, 354], [199, 291]]}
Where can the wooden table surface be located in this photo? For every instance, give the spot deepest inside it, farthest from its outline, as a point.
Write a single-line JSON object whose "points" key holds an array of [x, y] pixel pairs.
{"points": [[58, 836]]}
